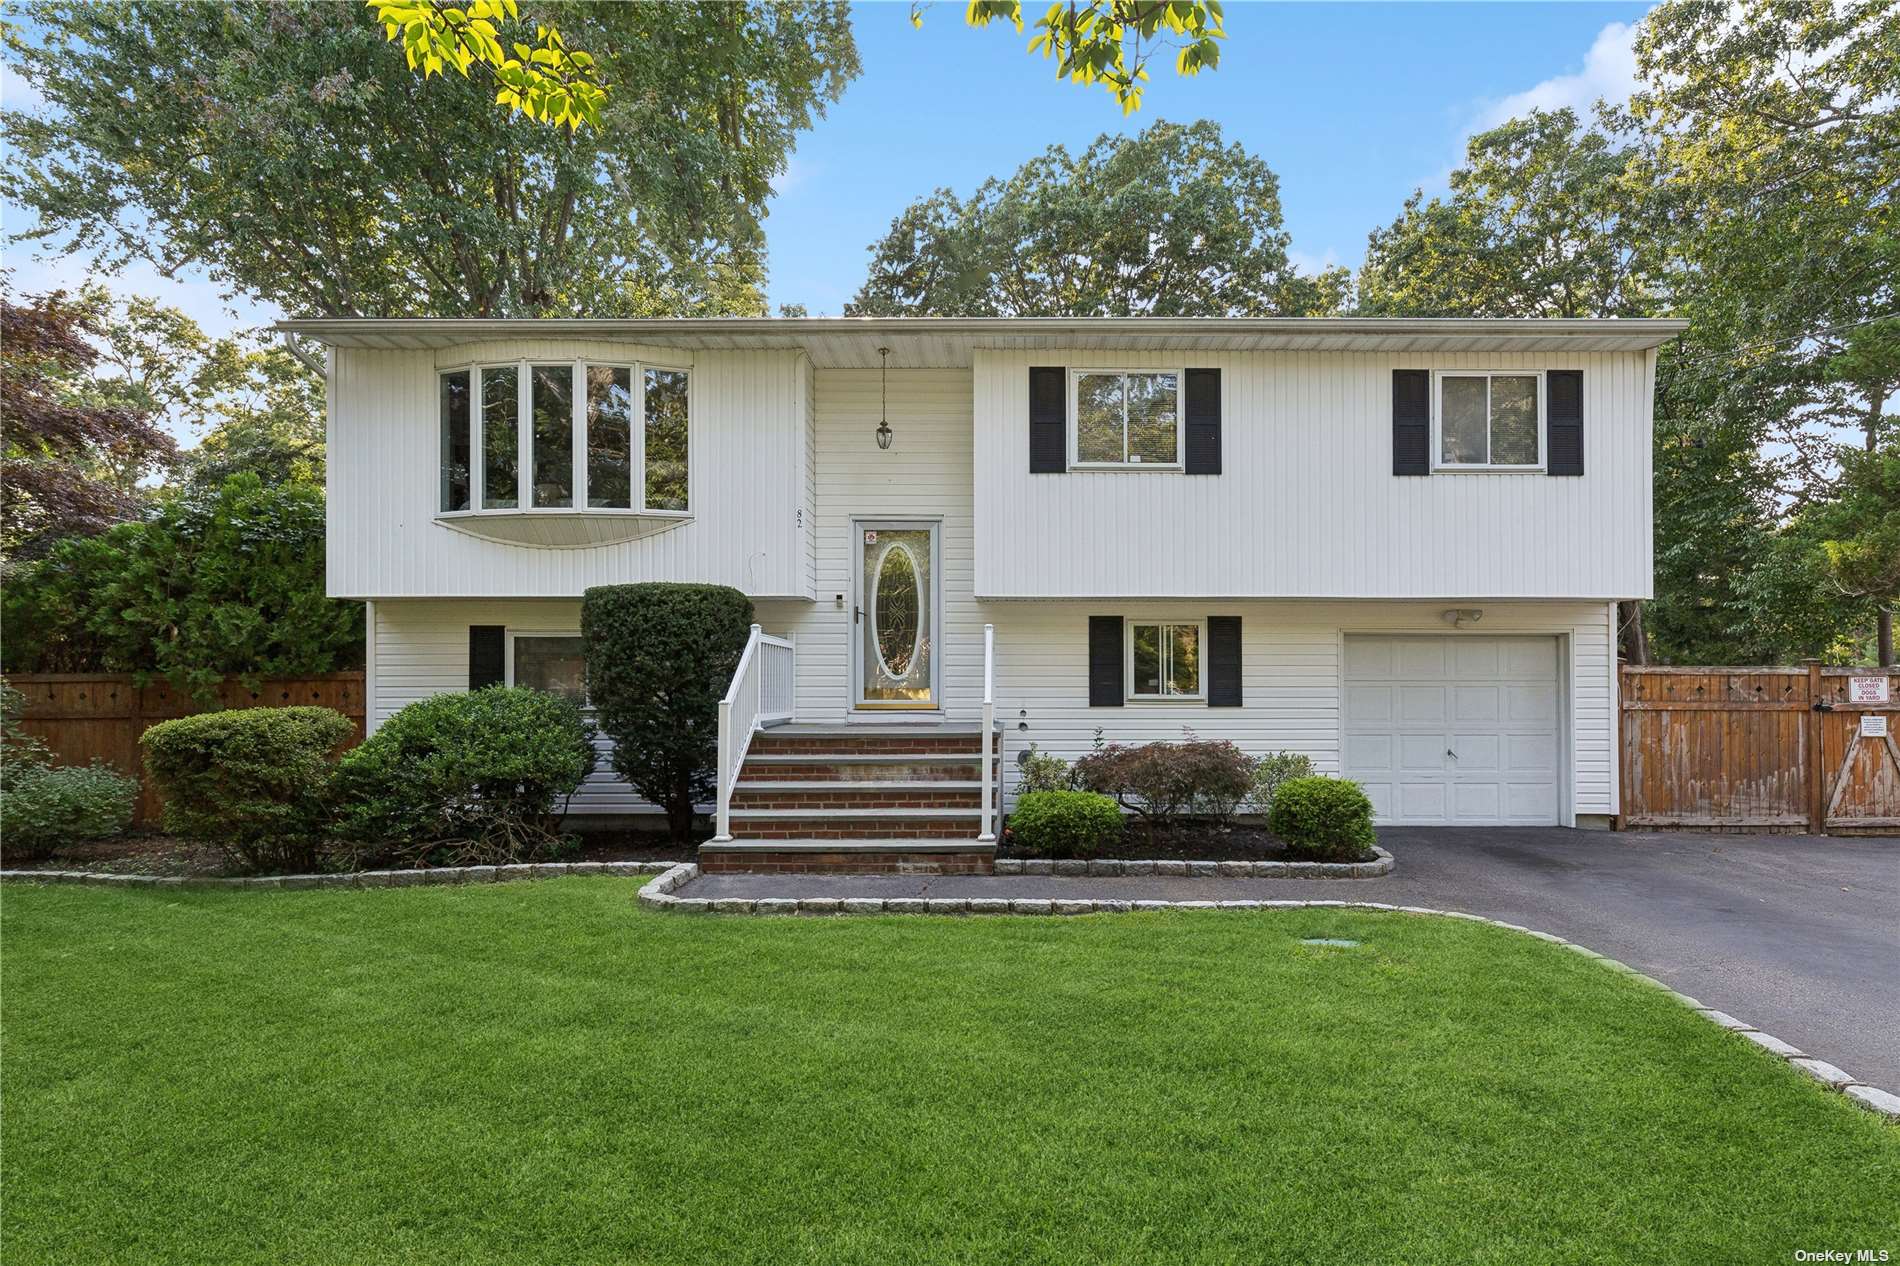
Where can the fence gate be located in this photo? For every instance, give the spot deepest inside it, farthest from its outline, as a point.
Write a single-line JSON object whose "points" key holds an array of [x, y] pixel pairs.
{"points": [[1794, 749]]}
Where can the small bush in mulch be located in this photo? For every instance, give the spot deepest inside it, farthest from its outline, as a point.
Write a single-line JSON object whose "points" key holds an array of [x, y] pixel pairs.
{"points": [[1323, 819], [47, 807], [1066, 823]]}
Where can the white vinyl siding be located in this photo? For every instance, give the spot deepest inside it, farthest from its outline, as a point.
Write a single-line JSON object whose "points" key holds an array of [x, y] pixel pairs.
{"points": [[1306, 505]]}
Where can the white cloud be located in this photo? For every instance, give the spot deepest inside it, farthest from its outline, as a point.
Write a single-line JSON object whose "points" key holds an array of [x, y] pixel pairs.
{"points": [[1311, 264], [1608, 74]]}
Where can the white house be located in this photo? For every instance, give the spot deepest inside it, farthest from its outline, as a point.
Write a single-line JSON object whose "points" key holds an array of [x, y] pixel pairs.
{"points": [[1394, 545]]}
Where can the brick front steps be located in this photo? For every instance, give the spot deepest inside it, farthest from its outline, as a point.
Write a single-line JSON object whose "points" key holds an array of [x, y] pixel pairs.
{"points": [[878, 799]]}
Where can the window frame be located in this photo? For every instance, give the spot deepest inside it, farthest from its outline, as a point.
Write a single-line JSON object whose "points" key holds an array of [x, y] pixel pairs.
{"points": [[524, 438], [1129, 625], [1074, 428], [510, 634], [1486, 468]]}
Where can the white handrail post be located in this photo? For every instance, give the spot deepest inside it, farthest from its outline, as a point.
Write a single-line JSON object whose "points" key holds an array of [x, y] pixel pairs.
{"points": [[723, 809], [793, 656], [758, 686], [990, 774]]}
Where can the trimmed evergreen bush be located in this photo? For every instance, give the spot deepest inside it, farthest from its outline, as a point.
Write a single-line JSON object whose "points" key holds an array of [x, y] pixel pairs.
{"points": [[659, 659], [1065, 823], [479, 779], [48, 807], [1323, 819], [249, 780], [1269, 772]]}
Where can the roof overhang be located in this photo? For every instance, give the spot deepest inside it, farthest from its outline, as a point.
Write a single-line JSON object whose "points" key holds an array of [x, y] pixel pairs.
{"points": [[947, 342]]}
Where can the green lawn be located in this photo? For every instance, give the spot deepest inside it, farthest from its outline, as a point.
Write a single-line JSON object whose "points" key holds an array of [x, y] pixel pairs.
{"points": [[544, 1072]]}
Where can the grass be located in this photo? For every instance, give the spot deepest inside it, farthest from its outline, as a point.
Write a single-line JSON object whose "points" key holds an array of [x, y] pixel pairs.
{"points": [[541, 1072]]}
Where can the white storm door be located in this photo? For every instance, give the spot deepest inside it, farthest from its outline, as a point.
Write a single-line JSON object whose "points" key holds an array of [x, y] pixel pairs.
{"points": [[896, 616]]}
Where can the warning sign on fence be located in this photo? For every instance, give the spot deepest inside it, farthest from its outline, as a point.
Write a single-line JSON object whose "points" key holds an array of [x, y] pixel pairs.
{"points": [[1867, 689], [1873, 725]]}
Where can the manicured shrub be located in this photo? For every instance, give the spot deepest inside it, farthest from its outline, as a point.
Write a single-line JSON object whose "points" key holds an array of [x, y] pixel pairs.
{"points": [[1065, 823], [1323, 819], [48, 807], [464, 779], [1167, 781], [659, 659], [250, 780], [1269, 772], [1039, 771]]}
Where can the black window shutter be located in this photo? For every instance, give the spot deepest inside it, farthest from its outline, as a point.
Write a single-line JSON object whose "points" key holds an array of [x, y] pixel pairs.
{"points": [[1223, 661], [1563, 416], [1203, 422], [1105, 662], [1411, 422], [1048, 419], [487, 655]]}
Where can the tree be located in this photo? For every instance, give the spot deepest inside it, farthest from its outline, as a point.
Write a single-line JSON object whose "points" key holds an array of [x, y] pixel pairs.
{"points": [[549, 82], [659, 659], [1171, 222], [71, 462], [1540, 223], [283, 150], [270, 424], [1109, 42], [1771, 149], [228, 582]]}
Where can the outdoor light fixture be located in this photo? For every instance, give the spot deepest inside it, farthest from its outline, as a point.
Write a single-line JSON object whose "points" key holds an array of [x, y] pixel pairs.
{"points": [[883, 397], [1463, 617]]}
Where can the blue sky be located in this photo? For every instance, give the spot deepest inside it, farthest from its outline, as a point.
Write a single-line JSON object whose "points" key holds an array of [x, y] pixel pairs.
{"points": [[1353, 105]]}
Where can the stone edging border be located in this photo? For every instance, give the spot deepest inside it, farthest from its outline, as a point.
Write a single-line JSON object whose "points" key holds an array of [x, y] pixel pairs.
{"points": [[348, 879], [658, 895], [1381, 864]]}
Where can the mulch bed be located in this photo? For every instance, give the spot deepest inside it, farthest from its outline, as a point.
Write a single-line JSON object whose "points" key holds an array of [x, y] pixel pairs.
{"points": [[1193, 841], [155, 853]]}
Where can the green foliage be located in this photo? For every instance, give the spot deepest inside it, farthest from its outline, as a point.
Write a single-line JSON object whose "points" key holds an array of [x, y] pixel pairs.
{"points": [[1540, 223], [1172, 222], [1109, 42], [1065, 823], [44, 808], [286, 151], [1041, 771], [226, 582], [18, 749], [549, 82], [250, 780], [1323, 819], [465, 779], [659, 659], [1270, 771], [1167, 781]]}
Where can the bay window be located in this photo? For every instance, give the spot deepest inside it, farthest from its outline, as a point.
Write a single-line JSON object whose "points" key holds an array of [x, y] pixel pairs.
{"points": [[569, 436]]}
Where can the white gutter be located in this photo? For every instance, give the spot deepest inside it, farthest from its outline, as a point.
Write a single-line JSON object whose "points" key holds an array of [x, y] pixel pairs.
{"points": [[295, 346]]}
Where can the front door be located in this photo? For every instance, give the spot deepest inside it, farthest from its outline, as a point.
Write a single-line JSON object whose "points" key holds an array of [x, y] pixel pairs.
{"points": [[895, 616]]}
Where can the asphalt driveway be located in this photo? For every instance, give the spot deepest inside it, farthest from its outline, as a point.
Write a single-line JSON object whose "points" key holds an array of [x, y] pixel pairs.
{"points": [[1798, 935]]}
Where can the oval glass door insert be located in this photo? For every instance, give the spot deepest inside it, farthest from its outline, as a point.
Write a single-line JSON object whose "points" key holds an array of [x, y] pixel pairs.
{"points": [[897, 606]]}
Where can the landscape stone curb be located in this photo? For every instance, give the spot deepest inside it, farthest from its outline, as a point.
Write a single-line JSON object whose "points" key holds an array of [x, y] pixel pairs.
{"points": [[347, 879], [658, 894], [1103, 868]]}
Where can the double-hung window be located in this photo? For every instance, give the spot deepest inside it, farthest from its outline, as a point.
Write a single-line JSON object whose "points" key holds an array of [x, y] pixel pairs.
{"points": [[1164, 659], [566, 436], [1125, 418], [1489, 421]]}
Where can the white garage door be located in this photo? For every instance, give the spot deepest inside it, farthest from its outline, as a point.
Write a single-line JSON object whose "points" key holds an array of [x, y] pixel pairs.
{"points": [[1454, 729]]}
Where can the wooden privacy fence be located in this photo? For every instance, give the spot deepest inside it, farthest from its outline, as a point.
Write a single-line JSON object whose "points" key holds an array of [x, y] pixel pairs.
{"points": [[88, 716], [1794, 749]]}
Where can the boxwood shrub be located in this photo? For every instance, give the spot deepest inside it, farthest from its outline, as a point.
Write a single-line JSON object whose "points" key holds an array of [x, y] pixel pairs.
{"points": [[1323, 819], [480, 779], [250, 780], [659, 659], [48, 807], [1065, 823]]}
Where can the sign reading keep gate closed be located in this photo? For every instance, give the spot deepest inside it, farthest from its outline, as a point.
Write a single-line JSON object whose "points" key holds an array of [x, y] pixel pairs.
{"points": [[1867, 689]]}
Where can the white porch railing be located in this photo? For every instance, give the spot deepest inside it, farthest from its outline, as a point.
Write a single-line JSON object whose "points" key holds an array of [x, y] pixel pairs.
{"points": [[991, 774], [760, 695]]}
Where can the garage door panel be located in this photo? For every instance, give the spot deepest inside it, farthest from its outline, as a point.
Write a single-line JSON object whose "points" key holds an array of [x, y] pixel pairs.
{"points": [[1454, 729]]}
